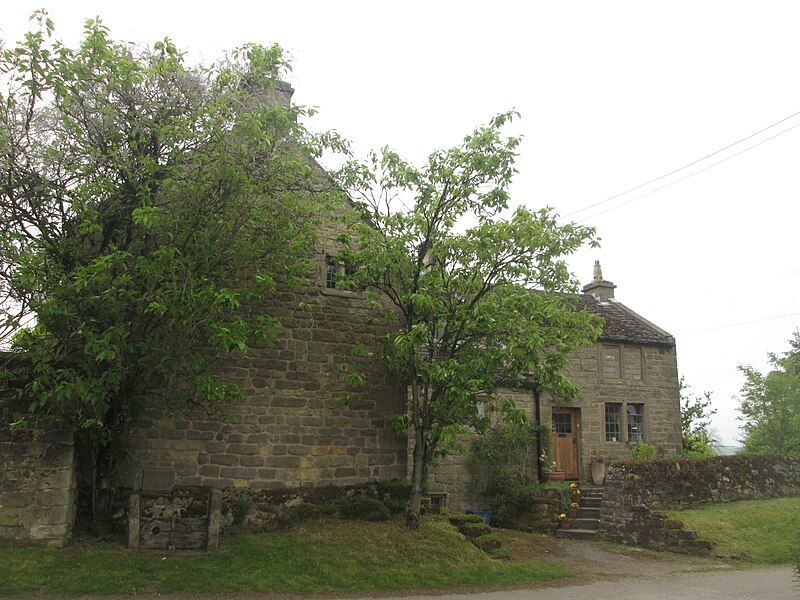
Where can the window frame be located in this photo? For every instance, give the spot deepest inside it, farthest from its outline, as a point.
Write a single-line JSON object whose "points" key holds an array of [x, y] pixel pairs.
{"points": [[641, 433], [328, 258], [619, 424]]}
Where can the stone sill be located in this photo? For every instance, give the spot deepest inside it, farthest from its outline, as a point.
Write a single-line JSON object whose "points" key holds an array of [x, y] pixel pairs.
{"points": [[341, 293]]}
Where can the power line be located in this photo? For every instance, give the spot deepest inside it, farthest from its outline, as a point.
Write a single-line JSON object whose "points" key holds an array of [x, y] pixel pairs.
{"points": [[684, 167], [666, 185], [775, 318]]}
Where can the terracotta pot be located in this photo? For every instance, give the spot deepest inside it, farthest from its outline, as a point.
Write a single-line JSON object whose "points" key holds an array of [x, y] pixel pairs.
{"points": [[554, 475], [598, 473]]}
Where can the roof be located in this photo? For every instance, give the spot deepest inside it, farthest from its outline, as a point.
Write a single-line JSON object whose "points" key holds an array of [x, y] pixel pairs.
{"points": [[622, 324]]}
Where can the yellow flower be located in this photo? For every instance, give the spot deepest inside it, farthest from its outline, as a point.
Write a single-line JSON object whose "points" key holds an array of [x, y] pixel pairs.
{"points": [[577, 492], [573, 485], [574, 505], [562, 516]]}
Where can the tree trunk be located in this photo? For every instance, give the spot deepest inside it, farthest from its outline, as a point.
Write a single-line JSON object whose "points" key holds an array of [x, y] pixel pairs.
{"points": [[417, 481]]}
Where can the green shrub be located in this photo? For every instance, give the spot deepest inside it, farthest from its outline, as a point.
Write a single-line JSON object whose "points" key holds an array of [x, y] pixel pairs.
{"points": [[394, 489], [240, 508], [306, 511], [505, 451], [463, 518], [326, 509], [473, 530], [513, 496], [487, 542], [266, 507], [643, 451], [396, 506], [367, 509]]}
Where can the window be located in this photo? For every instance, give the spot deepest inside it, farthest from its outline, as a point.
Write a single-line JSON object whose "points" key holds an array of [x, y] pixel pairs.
{"points": [[331, 271], [562, 423], [613, 422], [635, 422], [335, 269]]}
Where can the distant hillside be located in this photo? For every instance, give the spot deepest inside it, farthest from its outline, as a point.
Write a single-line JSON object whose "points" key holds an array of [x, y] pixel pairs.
{"points": [[727, 450]]}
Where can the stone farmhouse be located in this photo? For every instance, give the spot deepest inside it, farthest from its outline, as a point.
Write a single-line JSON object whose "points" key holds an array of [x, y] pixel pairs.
{"points": [[293, 431]]}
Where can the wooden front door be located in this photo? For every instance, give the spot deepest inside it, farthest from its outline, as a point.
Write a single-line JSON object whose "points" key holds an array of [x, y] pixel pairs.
{"points": [[564, 451]]}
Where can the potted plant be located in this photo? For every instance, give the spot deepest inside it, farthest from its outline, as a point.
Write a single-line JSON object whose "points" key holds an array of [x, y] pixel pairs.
{"points": [[572, 511], [552, 472], [598, 470]]}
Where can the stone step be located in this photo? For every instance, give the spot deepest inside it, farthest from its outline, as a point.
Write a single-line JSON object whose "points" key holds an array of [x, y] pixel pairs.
{"points": [[579, 523], [585, 512], [592, 489], [591, 502], [578, 534]]}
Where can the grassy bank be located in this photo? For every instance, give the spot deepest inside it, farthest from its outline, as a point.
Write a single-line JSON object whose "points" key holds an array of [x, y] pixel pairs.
{"points": [[761, 531], [322, 556]]}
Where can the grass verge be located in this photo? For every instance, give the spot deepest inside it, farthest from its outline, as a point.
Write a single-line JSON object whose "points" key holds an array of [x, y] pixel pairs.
{"points": [[328, 555], [761, 531]]}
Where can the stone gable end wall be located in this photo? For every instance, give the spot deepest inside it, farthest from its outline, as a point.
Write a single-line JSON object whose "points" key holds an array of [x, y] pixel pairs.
{"points": [[291, 429]]}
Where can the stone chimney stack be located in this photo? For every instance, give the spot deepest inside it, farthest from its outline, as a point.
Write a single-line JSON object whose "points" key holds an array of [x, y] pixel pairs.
{"points": [[275, 93], [601, 289]]}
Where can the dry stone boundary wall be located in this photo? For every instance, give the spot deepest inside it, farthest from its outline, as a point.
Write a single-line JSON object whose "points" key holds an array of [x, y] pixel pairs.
{"points": [[635, 490]]}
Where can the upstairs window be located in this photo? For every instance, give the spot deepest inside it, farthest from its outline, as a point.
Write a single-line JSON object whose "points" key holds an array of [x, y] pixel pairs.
{"points": [[635, 422], [331, 271], [613, 422]]}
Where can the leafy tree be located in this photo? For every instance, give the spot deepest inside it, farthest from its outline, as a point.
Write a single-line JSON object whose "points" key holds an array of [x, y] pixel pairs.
{"points": [[147, 210], [456, 280], [770, 404], [696, 413]]}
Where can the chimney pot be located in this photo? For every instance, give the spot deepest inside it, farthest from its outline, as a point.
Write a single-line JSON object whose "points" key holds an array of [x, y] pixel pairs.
{"points": [[601, 289]]}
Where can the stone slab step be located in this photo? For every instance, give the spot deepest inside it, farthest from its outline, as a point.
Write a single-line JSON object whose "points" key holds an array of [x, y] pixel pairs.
{"points": [[585, 512], [578, 534], [591, 502], [579, 523]]}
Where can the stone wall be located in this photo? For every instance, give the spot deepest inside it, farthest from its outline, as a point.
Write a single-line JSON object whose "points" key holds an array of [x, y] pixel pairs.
{"points": [[634, 489], [291, 430], [37, 483]]}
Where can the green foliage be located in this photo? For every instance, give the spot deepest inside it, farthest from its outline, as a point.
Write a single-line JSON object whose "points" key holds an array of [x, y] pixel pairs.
{"points": [[696, 413], [464, 518], [507, 450], [487, 542], [511, 497], [770, 404], [473, 530], [643, 451], [148, 209], [397, 489], [240, 508], [396, 506], [365, 509], [698, 444], [433, 244]]}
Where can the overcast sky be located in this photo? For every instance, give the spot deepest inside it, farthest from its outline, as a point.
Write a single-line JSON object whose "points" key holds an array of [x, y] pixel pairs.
{"points": [[612, 94]]}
